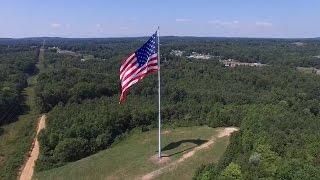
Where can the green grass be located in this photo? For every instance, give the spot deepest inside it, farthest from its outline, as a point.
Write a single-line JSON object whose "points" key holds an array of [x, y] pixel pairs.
{"points": [[17, 137], [130, 157]]}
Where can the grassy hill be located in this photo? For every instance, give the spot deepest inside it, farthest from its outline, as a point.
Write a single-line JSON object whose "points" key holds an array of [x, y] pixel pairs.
{"points": [[131, 157]]}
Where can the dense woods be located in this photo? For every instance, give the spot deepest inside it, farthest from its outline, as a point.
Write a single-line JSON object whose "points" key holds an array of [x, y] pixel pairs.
{"points": [[17, 116], [276, 107], [16, 63]]}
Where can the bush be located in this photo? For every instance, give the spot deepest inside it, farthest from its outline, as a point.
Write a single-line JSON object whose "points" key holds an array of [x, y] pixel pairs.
{"points": [[71, 149], [232, 171], [205, 172], [104, 140]]}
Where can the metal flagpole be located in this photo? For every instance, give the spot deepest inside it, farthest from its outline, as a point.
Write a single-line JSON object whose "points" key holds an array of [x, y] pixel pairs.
{"points": [[159, 105]]}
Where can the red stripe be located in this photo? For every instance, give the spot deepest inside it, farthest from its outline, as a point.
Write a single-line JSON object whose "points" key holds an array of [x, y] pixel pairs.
{"points": [[134, 71], [125, 92], [123, 76], [126, 62], [127, 69], [130, 74], [137, 77], [132, 65], [140, 70]]}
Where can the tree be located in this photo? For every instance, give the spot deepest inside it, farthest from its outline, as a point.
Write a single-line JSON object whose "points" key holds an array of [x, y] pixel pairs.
{"points": [[232, 172]]}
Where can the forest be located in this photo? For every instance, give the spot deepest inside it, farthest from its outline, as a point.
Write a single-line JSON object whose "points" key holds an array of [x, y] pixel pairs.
{"points": [[16, 63], [276, 107]]}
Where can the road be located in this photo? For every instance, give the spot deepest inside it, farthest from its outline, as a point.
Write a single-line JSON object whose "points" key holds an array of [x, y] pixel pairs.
{"points": [[28, 168]]}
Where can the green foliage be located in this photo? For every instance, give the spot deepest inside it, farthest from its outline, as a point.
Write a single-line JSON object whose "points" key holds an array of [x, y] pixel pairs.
{"points": [[71, 149], [232, 171], [16, 63], [89, 127], [206, 172], [276, 107], [272, 139]]}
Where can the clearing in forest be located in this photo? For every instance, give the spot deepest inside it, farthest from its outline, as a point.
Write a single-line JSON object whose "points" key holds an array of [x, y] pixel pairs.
{"points": [[185, 149]]}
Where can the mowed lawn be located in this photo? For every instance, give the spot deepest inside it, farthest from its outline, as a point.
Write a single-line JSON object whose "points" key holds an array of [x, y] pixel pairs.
{"points": [[130, 158]]}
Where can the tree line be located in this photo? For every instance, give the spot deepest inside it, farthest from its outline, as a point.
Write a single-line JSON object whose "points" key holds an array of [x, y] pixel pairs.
{"points": [[17, 62]]}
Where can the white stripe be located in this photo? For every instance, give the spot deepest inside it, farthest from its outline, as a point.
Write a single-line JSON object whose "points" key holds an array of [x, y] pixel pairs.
{"points": [[123, 76], [136, 80], [153, 56], [128, 71], [124, 81], [130, 84], [132, 61], [139, 74], [126, 62]]}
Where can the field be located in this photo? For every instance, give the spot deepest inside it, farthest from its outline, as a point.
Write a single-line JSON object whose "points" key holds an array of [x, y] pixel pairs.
{"points": [[132, 157]]}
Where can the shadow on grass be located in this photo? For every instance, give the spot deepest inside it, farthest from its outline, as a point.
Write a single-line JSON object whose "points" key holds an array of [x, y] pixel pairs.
{"points": [[174, 145]]}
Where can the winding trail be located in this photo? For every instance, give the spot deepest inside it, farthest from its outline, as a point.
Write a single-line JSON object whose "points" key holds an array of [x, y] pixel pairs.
{"points": [[223, 132], [28, 168]]}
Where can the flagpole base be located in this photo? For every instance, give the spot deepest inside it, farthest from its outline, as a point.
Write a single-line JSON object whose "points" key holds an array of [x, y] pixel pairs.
{"points": [[160, 161]]}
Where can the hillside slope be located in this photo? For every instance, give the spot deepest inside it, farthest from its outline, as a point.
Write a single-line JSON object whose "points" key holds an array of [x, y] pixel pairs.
{"points": [[186, 148]]}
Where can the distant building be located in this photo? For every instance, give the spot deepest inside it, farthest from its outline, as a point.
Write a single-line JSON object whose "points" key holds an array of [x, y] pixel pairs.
{"points": [[195, 55], [176, 53], [299, 43], [235, 63]]}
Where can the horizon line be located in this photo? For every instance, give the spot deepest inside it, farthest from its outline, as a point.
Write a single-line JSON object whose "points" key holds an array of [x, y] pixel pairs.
{"points": [[118, 37]]}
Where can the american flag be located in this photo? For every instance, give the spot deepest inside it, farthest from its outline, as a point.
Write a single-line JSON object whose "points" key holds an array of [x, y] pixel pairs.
{"points": [[138, 65]]}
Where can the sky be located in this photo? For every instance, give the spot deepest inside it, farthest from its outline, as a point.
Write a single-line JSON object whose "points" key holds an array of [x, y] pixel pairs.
{"points": [[129, 18]]}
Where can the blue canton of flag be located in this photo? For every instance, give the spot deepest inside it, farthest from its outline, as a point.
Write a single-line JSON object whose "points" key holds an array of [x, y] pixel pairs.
{"points": [[149, 48]]}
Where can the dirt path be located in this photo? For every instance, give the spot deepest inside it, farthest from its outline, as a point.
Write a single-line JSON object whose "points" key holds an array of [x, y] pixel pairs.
{"points": [[224, 132], [28, 168]]}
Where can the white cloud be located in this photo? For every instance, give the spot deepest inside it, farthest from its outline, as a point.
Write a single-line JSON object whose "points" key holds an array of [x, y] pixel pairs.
{"points": [[224, 23], [183, 20], [98, 25], [55, 25], [264, 24]]}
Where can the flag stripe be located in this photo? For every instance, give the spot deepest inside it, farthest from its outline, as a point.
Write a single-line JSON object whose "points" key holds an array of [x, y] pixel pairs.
{"points": [[129, 69], [134, 70], [136, 80], [138, 75], [126, 61], [152, 65], [131, 66]]}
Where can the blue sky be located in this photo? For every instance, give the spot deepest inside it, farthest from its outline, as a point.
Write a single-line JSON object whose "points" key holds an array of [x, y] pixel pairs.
{"points": [[118, 18]]}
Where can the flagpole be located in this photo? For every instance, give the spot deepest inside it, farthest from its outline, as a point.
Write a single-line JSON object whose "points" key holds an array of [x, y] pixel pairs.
{"points": [[159, 95]]}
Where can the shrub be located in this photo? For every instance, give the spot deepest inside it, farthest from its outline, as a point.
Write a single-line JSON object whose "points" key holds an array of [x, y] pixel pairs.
{"points": [[71, 149]]}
